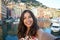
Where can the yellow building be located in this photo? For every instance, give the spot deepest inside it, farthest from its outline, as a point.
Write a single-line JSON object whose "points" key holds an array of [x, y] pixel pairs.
{"points": [[40, 11], [22, 6]]}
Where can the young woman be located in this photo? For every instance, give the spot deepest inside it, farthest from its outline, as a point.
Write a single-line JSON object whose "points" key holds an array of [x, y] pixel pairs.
{"points": [[29, 30]]}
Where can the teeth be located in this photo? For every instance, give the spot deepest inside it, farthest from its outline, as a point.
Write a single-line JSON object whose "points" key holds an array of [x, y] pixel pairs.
{"points": [[28, 23]]}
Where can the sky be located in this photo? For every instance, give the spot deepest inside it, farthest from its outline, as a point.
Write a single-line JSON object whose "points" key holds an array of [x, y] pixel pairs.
{"points": [[51, 3]]}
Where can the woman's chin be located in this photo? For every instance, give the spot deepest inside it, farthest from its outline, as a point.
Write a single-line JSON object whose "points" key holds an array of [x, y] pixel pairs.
{"points": [[28, 25]]}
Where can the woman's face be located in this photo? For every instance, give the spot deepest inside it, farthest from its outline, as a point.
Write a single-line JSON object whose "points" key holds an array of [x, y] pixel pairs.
{"points": [[28, 20]]}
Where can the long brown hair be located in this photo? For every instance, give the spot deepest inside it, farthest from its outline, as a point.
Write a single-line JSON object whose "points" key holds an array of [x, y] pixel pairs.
{"points": [[22, 28]]}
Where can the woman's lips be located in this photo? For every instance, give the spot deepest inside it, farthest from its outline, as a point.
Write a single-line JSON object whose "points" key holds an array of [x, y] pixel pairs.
{"points": [[29, 22]]}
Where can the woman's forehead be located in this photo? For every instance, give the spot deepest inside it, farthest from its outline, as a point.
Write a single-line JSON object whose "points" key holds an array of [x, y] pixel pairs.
{"points": [[27, 14]]}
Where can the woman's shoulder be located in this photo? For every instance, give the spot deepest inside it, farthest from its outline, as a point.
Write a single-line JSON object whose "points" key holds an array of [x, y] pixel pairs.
{"points": [[44, 36]]}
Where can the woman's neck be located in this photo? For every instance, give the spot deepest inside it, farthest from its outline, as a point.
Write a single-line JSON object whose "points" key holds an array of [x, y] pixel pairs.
{"points": [[27, 31]]}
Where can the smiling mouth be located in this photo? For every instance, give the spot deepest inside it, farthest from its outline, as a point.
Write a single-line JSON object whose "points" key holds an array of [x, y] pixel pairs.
{"points": [[29, 23]]}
